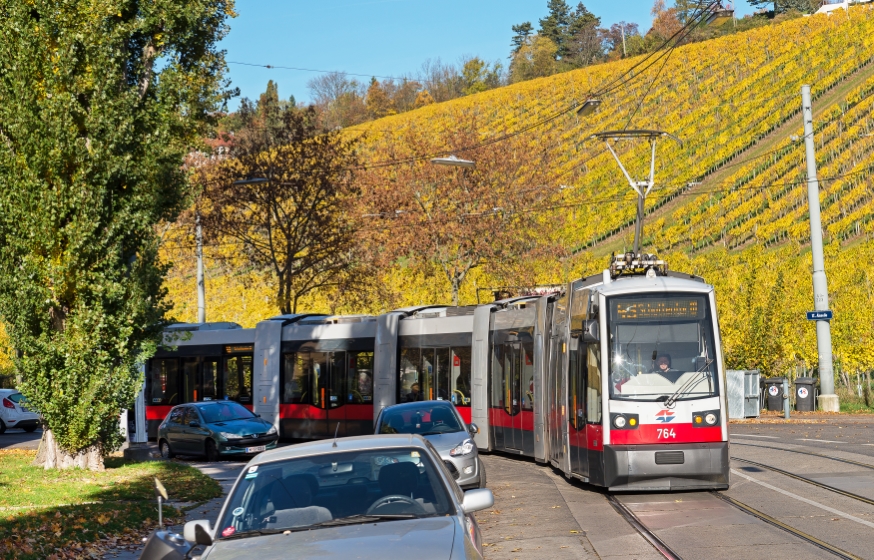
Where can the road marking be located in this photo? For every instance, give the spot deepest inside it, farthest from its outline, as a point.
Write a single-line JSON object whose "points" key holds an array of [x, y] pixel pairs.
{"points": [[805, 500], [751, 435], [820, 440]]}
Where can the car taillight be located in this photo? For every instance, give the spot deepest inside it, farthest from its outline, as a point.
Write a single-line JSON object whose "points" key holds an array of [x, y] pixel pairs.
{"points": [[7, 403]]}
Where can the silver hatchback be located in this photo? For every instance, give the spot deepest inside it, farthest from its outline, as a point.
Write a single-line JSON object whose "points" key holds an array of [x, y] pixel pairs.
{"points": [[366, 497], [441, 424]]}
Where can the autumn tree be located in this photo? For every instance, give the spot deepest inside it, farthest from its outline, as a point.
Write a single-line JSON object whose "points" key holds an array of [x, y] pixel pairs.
{"points": [[535, 59], [340, 100], [284, 197], [99, 103], [456, 219]]}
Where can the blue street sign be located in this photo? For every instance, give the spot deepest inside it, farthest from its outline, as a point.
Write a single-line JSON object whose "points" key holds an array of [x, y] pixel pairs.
{"points": [[819, 315]]}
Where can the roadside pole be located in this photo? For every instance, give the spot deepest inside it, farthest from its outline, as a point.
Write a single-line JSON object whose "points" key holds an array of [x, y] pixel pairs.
{"points": [[201, 291], [828, 400]]}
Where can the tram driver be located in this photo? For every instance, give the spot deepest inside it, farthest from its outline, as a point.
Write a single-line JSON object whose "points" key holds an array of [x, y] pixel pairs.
{"points": [[663, 368]]}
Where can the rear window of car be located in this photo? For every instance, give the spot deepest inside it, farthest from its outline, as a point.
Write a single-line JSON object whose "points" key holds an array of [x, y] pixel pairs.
{"points": [[425, 419], [17, 398]]}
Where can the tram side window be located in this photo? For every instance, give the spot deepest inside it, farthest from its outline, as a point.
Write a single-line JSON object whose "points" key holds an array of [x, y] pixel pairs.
{"points": [[360, 378], [435, 374], [460, 375], [337, 393], [211, 380], [527, 367], [237, 374], [189, 380], [593, 388], [296, 379], [164, 381], [575, 403]]}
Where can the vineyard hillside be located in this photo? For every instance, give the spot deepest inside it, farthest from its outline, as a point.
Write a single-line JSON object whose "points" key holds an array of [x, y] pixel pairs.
{"points": [[729, 201]]}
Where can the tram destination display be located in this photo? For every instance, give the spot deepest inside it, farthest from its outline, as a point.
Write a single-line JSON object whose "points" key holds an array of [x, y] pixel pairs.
{"points": [[661, 308]]}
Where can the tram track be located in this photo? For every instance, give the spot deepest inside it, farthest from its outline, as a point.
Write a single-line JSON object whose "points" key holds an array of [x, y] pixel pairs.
{"points": [[638, 526], [809, 453], [840, 553], [828, 487]]}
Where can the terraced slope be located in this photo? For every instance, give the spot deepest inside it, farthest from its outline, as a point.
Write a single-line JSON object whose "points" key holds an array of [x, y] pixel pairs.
{"points": [[721, 97]]}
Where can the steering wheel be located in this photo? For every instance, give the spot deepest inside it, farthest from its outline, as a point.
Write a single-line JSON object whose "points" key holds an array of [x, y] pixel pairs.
{"points": [[394, 498]]}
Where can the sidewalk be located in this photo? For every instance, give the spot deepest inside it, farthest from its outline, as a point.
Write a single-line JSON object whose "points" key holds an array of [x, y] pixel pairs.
{"points": [[225, 472]]}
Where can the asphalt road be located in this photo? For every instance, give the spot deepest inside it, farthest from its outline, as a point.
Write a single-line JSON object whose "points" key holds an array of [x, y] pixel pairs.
{"points": [[19, 439]]}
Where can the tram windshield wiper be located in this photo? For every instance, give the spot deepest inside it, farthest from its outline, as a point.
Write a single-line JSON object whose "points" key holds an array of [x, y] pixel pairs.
{"points": [[669, 403]]}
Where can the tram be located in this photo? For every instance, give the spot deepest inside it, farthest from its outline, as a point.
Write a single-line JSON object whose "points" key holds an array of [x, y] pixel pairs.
{"points": [[616, 379]]}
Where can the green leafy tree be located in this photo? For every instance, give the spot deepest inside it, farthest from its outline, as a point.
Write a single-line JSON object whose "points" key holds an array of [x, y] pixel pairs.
{"points": [[555, 25], [535, 59], [479, 76], [99, 103], [522, 32]]}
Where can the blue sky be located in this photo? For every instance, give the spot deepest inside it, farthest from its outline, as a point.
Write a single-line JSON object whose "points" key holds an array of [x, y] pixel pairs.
{"points": [[383, 37]]}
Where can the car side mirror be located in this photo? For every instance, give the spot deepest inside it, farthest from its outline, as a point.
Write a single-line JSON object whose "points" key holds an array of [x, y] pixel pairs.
{"points": [[476, 500], [473, 428], [194, 424], [198, 532]]}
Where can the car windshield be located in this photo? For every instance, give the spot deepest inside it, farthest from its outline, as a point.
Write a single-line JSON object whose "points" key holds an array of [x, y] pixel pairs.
{"points": [[661, 345], [427, 418], [335, 489], [224, 412]]}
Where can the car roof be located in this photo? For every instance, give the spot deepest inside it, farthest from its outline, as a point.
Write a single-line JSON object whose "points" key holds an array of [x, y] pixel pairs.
{"points": [[326, 446], [205, 403]]}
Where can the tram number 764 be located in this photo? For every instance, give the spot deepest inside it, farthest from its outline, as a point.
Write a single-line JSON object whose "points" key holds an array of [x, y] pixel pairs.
{"points": [[666, 433]]}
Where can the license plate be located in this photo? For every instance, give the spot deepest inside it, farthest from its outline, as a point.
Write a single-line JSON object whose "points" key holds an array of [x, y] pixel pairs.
{"points": [[256, 449], [25, 409]]}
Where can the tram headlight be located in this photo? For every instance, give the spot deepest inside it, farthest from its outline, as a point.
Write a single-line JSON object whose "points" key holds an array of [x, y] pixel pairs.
{"points": [[705, 419], [624, 421]]}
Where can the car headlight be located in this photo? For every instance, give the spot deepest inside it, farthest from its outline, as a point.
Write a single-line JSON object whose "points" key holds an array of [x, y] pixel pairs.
{"points": [[463, 448], [226, 435], [271, 431]]}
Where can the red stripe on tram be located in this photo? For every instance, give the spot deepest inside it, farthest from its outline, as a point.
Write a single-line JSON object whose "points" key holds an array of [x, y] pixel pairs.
{"points": [[665, 433]]}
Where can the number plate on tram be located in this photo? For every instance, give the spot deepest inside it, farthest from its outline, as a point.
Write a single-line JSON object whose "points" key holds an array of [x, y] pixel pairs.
{"points": [[256, 449]]}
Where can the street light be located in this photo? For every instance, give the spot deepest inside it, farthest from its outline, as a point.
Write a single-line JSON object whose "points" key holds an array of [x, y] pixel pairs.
{"points": [[588, 107], [453, 161]]}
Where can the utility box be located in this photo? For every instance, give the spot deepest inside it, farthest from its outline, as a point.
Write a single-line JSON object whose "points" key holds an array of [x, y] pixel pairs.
{"points": [[734, 381], [752, 393], [774, 393], [805, 394], [743, 393]]}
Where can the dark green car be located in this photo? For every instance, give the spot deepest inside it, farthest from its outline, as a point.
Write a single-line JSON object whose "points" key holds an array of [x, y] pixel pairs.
{"points": [[214, 429]]}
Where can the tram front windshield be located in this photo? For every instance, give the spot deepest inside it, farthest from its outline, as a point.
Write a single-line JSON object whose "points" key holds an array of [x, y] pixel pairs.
{"points": [[661, 346]]}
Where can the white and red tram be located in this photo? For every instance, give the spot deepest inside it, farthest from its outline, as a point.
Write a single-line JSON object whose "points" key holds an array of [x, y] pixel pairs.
{"points": [[616, 379]]}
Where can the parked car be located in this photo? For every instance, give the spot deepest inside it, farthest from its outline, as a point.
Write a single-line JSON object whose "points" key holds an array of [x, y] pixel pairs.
{"points": [[14, 412], [441, 424], [365, 497], [214, 429]]}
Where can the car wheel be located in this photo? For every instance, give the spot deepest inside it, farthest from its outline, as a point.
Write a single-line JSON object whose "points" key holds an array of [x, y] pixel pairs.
{"points": [[166, 452], [212, 453], [2, 427], [30, 429], [482, 472]]}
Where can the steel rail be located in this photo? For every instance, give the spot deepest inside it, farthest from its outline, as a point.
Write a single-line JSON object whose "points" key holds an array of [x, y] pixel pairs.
{"points": [[840, 553], [651, 537], [808, 481], [848, 461]]}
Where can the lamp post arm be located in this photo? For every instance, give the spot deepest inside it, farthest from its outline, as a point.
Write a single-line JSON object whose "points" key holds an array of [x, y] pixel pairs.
{"points": [[651, 168]]}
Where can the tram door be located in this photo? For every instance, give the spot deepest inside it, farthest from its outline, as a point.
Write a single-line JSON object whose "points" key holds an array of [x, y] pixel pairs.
{"points": [[576, 405], [328, 377], [554, 399], [512, 368]]}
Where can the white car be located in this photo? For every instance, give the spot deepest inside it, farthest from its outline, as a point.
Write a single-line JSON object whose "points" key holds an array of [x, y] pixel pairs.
{"points": [[14, 412]]}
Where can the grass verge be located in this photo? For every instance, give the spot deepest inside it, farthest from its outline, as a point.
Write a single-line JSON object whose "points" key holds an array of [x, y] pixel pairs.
{"points": [[80, 514]]}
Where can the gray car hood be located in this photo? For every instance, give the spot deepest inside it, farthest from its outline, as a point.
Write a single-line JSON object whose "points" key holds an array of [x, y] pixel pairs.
{"points": [[444, 442], [423, 539]]}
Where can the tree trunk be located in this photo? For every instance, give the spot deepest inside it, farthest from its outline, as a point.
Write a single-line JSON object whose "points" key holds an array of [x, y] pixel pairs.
{"points": [[455, 283], [51, 456]]}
